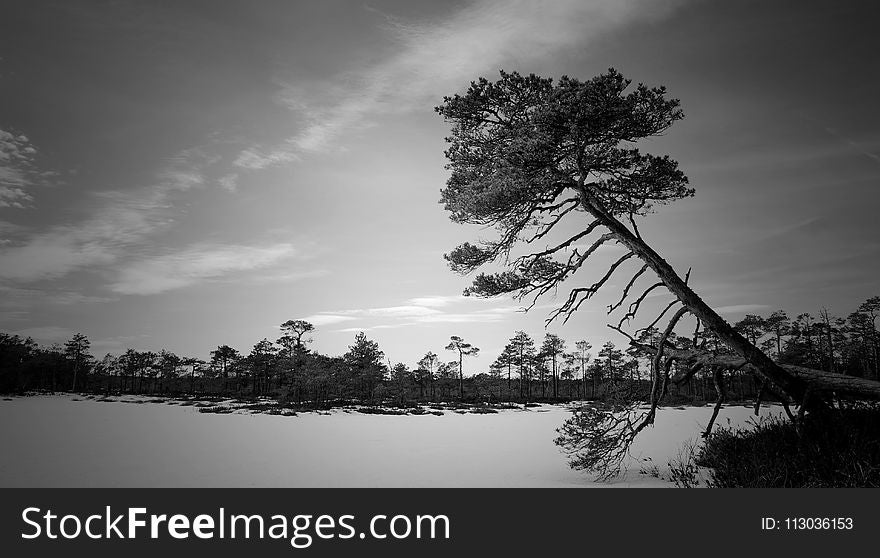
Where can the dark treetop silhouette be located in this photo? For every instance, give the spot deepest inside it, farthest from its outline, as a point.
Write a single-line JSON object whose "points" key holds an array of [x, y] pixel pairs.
{"points": [[527, 154], [464, 349]]}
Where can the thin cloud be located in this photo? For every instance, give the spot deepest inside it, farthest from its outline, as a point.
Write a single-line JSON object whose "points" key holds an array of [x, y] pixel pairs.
{"points": [[436, 301], [16, 169], [254, 159], [417, 311], [439, 57], [53, 254], [8, 228], [869, 151], [196, 264], [481, 315], [373, 328], [18, 297], [13, 315], [120, 220], [475, 317], [392, 312], [399, 312], [229, 182]]}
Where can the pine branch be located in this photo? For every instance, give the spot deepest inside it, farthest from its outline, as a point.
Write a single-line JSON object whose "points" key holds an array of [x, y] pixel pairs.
{"points": [[577, 296], [634, 307], [626, 289]]}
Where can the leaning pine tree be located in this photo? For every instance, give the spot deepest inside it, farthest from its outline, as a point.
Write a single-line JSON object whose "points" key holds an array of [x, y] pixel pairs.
{"points": [[533, 158]]}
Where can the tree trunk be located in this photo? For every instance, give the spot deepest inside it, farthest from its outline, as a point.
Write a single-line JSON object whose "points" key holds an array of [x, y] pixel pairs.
{"points": [[792, 385], [584, 376], [460, 377], [817, 379], [829, 340]]}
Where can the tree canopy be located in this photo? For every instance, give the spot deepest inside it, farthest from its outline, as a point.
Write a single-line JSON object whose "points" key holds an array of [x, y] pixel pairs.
{"points": [[525, 153]]}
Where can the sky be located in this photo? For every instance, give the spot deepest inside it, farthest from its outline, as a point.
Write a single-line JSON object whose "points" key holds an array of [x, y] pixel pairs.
{"points": [[186, 174]]}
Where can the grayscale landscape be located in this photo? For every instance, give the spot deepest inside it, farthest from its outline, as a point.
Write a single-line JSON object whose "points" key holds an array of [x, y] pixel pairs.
{"points": [[501, 243]]}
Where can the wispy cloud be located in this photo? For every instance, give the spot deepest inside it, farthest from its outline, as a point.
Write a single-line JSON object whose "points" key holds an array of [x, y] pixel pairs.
{"points": [[436, 301], [229, 182], [409, 311], [419, 310], [486, 316], [287, 276], [391, 312], [195, 264], [433, 58], [254, 158], [54, 254], [14, 297], [869, 151], [120, 220], [16, 169], [374, 328]]}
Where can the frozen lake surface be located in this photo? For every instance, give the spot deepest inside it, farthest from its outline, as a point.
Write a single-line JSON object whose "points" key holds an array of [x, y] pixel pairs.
{"points": [[66, 441]]}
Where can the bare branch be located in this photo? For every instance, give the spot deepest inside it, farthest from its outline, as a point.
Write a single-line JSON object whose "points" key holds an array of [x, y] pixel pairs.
{"points": [[822, 381], [803, 405], [688, 374], [632, 339], [634, 307], [595, 246], [697, 331], [760, 395], [545, 229], [596, 286], [661, 344], [626, 289], [575, 261], [532, 258], [718, 379], [577, 296], [663, 313], [655, 366], [554, 207], [635, 227]]}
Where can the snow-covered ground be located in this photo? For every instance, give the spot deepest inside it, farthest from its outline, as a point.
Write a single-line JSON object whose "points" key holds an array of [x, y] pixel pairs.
{"points": [[66, 441]]}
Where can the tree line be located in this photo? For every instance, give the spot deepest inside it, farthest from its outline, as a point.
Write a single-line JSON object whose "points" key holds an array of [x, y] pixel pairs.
{"points": [[551, 369]]}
